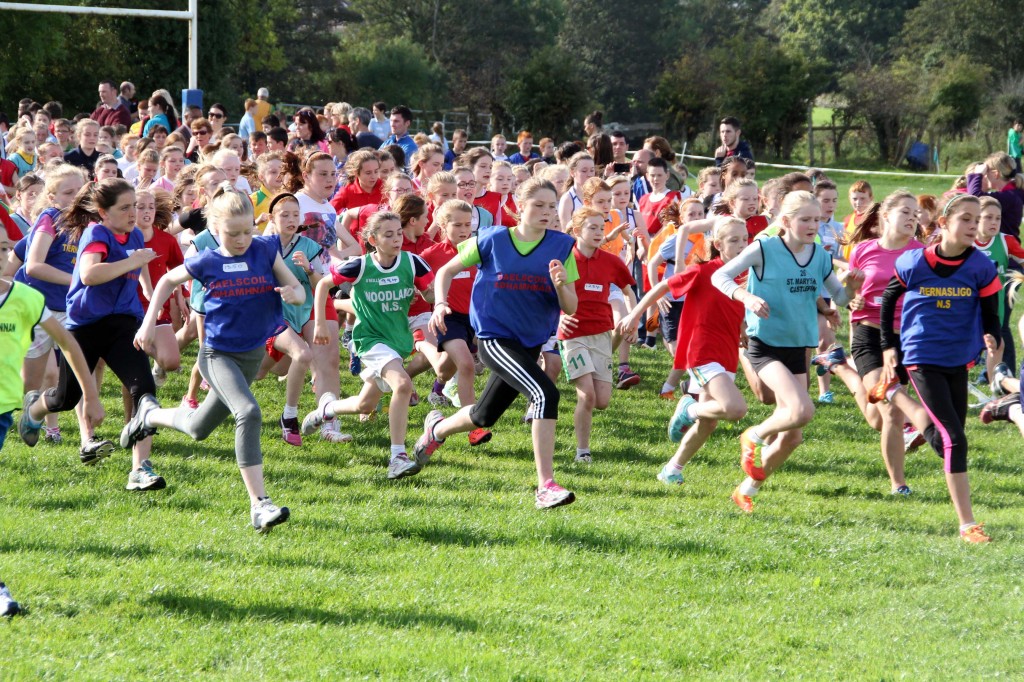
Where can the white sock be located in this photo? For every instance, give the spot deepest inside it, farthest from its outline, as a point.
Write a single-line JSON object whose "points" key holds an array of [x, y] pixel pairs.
{"points": [[691, 412], [965, 526], [397, 449], [1015, 412], [666, 387], [290, 411], [325, 400], [582, 451], [674, 467], [756, 437], [748, 488]]}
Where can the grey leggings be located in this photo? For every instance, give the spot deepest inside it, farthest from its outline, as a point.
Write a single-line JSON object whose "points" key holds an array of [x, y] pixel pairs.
{"points": [[229, 376]]}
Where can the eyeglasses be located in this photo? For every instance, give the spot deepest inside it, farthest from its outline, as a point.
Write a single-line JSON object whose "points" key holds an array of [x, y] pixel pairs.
{"points": [[467, 185], [214, 114]]}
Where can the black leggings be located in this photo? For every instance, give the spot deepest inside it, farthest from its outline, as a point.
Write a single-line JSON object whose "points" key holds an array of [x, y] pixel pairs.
{"points": [[943, 393], [112, 340], [514, 370]]}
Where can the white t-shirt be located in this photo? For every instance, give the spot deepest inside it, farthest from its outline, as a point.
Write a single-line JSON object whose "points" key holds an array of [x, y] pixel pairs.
{"points": [[320, 220]]}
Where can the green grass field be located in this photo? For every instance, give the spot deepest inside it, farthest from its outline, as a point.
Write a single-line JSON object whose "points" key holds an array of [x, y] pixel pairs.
{"points": [[453, 575]]}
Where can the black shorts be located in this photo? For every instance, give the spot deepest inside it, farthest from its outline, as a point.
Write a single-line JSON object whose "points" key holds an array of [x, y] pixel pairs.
{"points": [[669, 324], [866, 351], [761, 355], [458, 328]]}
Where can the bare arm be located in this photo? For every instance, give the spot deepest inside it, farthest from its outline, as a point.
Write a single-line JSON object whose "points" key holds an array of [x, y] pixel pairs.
{"points": [[35, 262], [443, 282], [93, 271]]}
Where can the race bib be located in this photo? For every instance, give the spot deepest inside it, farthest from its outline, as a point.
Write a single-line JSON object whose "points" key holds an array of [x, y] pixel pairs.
{"points": [[236, 267], [593, 287]]}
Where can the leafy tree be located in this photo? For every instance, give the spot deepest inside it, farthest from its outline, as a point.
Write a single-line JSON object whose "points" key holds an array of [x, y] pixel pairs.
{"points": [[986, 33], [686, 95], [395, 70], [956, 94], [546, 94]]}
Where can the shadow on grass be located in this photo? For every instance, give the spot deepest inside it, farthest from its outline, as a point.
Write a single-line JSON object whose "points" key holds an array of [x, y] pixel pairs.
{"points": [[95, 549], [227, 611]]}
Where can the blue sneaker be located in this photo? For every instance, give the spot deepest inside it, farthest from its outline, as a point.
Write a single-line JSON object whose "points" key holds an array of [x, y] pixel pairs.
{"points": [[355, 365], [903, 490], [826, 398], [670, 477], [680, 423], [825, 362]]}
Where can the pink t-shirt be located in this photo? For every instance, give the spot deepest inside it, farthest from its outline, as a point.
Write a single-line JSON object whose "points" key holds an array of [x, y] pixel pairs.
{"points": [[44, 225], [879, 267]]}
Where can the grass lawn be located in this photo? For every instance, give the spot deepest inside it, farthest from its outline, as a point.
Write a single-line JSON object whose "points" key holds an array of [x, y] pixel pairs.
{"points": [[453, 575]]}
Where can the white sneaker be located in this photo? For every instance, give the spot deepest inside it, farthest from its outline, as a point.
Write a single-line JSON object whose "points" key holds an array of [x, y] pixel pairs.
{"points": [[159, 375], [265, 515], [330, 433], [8, 607], [315, 419], [144, 479], [451, 391], [401, 465]]}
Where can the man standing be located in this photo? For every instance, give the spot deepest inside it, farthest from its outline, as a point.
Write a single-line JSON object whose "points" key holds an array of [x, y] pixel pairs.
{"points": [[263, 106], [111, 111], [401, 118], [127, 97], [1013, 142], [359, 124], [729, 133], [639, 174]]}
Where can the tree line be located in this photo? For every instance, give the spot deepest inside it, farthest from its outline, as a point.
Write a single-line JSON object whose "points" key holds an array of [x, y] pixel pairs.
{"points": [[899, 69]]}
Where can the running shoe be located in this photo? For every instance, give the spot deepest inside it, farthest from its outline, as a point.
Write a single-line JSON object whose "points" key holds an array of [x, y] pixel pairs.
{"points": [[902, 491], [290, 431], [27, 429], [975, 534], [189, 403], [827, 398], [53, 435], [551, 495], [670, 476], [883, 390], [451, 392], [94, 450], [346, 338], [414, 399], [742, 501], [1000, 373], [401, 466], [159, 375], [680, 422], [999, 410], [8, 607], [144, 479], [826, 362], [479, 436], [912, 438], [265, 515], [315, 419], [332, 434], [750, 452], [627, 379], [438, 400], [355, 365], [136, 429], [667, 395], [427, 444], [583, 458]]}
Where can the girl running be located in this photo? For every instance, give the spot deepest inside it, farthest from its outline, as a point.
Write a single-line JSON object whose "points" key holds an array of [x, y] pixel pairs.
{"points": [[525, 278], [498, 199], [103, 308], [466, 184], [581, 169], [586, 337], [950, 292], [246, 281], [708, 348], [384, 282], [786, 274]]}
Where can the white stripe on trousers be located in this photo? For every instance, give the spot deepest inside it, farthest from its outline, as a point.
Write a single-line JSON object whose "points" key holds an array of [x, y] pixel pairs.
{"points": [[513, 368]]}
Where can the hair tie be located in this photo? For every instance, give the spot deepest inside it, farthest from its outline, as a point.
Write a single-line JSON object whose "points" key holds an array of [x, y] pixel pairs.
{"points": [[949, 204], [279, 198]]}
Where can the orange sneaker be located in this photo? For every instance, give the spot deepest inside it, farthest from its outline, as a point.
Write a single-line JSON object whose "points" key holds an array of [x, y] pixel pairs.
{"points": [[479, 436], [880, 391], [667, 395], [743, 501], [975, 534], [750, 452]]}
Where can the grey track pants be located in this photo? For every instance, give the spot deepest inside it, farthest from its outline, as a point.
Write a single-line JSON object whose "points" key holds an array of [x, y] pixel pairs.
{"points": [[229, 376]]}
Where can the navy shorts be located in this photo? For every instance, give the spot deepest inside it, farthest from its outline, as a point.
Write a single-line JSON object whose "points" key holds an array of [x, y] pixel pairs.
{"points": [[670, 323], [458, 328], [6, 422], [761, 354]]}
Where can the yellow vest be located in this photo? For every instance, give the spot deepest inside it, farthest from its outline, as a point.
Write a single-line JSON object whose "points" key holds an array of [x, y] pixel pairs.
{"points": [[20, 310]]}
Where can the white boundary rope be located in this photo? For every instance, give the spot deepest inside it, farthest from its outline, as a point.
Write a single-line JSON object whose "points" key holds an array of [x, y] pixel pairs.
{"points": [[836, 170]]}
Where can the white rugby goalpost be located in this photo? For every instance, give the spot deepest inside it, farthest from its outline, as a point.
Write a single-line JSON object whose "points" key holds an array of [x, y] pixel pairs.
{"points": [[191, 16]]}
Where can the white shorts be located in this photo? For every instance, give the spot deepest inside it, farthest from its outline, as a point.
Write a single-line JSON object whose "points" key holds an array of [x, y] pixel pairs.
{"points": [[41, 341], [615, 294], [551, 346], [374, 361], [705, 373], [588, 355], [419, 321]]}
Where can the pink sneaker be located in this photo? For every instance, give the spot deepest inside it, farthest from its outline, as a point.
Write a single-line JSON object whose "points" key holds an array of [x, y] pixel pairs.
{"points": [[552, 495], [189, 403], [290, 431]]}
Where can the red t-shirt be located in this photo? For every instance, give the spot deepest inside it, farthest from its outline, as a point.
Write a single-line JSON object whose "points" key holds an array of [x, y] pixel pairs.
{"points": [[101, 248], [353, 196], [651, 210], [755, 225], [8, 173], [419, 304], [168, 257], [709, 327], [596, 273], [437, 256], [11, 227], [356, 226], [504, 213]]}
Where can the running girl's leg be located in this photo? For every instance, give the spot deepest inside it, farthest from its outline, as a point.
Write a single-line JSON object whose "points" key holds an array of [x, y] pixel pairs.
{"points": [[719, 399], [292, 345], [826, 337], [591, 394], [763, 394], [165, 351], [893, 448]]}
